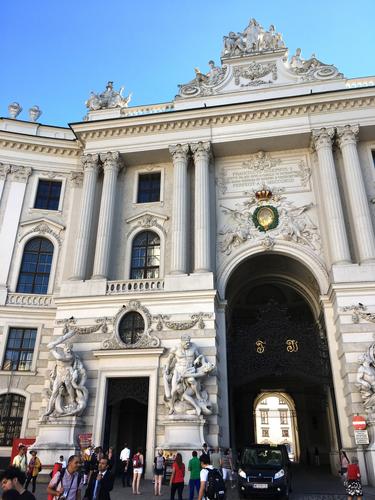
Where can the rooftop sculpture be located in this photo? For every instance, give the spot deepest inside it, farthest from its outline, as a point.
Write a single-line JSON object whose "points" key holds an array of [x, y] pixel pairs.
{"points": [[109, 98]]}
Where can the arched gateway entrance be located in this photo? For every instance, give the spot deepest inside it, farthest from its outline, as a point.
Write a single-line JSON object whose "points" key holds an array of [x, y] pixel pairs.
{"points": [[279, 374]]}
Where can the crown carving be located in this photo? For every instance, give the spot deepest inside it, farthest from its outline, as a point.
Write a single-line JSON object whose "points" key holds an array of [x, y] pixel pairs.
{"points": [[263, 194]]}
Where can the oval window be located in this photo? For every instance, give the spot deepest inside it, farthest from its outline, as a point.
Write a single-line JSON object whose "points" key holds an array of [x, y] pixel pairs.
{"points": [[131, 327]]}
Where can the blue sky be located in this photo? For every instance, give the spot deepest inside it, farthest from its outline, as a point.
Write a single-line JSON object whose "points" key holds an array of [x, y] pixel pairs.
{"points": [[54, 52]]}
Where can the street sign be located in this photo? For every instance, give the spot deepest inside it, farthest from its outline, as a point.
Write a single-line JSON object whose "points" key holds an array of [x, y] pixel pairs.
{"points": [[359, 423], [361, 437]]}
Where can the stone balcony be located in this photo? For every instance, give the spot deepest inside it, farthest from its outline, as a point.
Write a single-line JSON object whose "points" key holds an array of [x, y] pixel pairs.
{"points": [[134, 286], [29, 300]]}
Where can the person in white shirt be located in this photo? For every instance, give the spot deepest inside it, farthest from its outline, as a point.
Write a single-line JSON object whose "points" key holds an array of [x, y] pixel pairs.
{"points": [[206, 466], [62, 462], [126, 470]]}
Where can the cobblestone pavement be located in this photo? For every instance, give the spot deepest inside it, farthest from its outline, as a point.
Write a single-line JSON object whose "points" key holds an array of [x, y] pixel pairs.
{"points": [[308, 484]]}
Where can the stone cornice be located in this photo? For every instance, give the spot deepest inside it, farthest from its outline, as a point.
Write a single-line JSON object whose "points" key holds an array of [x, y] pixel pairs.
{"points": [[59, 147], [225, 115]]}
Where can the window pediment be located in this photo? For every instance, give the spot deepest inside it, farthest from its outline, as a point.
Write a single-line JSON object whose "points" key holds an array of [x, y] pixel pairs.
{"points": [[147, 220], [41, 226]]}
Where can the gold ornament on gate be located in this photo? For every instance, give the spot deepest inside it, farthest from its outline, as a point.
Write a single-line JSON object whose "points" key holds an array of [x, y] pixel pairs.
{"points": [[292, 345], [260, 346]]}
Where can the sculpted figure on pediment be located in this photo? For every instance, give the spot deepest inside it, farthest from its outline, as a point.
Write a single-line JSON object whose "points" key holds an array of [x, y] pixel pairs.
{"points": [[252, 35], [203, 84], [109, 98], [366, 379]]}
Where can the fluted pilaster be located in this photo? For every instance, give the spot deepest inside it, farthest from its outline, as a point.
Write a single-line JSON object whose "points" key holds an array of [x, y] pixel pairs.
{"points": [[180, 156], [90, 163], [355, 188], [111, 165], [202, 247], [330, 195]]}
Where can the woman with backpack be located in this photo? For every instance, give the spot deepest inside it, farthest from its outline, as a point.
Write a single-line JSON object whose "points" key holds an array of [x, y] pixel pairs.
{"points": [[159, 466], [177, 477], [138, 462], [353, 485]]}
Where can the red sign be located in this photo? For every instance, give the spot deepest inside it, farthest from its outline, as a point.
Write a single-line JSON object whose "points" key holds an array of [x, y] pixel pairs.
{"points": [[85, 440], [16, 442], [359, 423]]}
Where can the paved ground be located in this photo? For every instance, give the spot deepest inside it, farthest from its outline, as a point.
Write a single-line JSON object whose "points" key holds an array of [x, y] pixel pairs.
{"points": [[308, 484]]}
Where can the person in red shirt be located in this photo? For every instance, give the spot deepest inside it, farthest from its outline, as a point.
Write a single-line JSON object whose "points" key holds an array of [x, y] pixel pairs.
{"points": [[177, 477], [354, 486]]}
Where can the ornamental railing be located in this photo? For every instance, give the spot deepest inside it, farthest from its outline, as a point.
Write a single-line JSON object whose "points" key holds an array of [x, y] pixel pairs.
{"points": [[134, 286], [29, 300], [148, 109]]}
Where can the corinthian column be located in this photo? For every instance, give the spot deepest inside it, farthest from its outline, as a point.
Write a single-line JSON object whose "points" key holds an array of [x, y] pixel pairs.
{"points": [[202, 229], [91, 167], [356, 192], [179, 213], [330, 196], [111, 166]]}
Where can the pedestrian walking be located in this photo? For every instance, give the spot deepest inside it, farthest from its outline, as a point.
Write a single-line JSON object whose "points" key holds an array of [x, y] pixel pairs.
{"points": [[138, 463], [14, 479], [215, 459], [126, 466], [177, 477], [69, 482], [101, 482], [62, 461], [33, 469], [194, 467], [159, 467], [353, 485], [344, 462], [212, 483], [205, 451], [227, 467], [20, 460], [111, 458]]}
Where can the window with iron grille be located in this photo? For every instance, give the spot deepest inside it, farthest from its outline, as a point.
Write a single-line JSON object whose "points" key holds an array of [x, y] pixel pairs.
{"points": [[20, 349], [131, 327], [48, 195], [285, 433], [148, 187], [265, 433], [145, 260], [11, 413], [35, 266]]}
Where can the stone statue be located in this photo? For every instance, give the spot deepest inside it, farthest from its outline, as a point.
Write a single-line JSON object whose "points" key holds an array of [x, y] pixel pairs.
{"points": [[252, 34], [297, 226], [297, 61], [68, 394], [183, 373], [366, 379], [110, 98]]}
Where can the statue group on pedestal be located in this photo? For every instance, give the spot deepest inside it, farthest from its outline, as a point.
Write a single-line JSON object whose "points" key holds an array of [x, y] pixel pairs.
{"points": [[110, 98], [184, 371], [68, 394], [253, 39], [366, 379]]}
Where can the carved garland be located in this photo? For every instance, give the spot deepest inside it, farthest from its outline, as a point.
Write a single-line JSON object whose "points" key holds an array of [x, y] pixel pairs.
{"points": [[358, 312], [195, 319]]}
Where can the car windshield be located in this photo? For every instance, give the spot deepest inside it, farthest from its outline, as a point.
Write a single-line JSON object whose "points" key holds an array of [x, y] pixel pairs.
{"points": [[262, 457]]}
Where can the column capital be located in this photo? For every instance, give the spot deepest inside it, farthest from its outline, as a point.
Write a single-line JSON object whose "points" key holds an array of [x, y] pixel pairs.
{"points": [[20, 174], [111, 160], [179, 151], [348, 134], [322, 137], [201, 149], [4, 171], [90, 161]]}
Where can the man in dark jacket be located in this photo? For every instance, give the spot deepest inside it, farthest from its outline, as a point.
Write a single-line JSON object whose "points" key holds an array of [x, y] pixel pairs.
{"points": [[100, 483]]}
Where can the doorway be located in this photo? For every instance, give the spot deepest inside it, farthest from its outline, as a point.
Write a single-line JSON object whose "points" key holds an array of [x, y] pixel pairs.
{"points": [[126, 414]]}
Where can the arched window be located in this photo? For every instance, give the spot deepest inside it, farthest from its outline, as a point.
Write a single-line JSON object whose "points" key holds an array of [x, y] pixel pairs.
{"points": [[35, 266], [145, 261], [131, 327], [11, 413]]}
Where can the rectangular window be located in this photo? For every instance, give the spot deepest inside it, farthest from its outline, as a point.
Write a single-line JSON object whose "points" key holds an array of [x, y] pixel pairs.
{"points": [[148, 188], [48, 195], [283, 417], [285, 433], [263, 417], [265, 433], [20, 349]]}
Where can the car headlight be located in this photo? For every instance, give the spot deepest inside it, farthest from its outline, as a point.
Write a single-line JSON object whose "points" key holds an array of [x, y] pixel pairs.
{"points": [[279, 474], [242, 473]]}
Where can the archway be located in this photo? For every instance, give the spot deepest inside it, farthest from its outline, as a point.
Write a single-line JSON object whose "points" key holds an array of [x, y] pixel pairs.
{"points": [[276, 344]]}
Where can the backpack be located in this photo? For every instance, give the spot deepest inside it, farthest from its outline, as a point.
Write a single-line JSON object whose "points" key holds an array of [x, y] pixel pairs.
{"points": [[215, 486], [159, 462], [137, 461]]}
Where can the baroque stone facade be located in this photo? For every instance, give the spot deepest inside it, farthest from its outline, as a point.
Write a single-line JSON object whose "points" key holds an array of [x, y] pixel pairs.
{"points": [[273, 189]]}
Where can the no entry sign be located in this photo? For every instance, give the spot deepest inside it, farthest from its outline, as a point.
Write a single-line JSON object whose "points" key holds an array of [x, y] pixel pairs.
{"points": [[359, 423]]}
